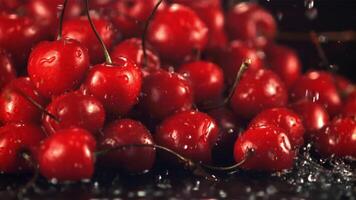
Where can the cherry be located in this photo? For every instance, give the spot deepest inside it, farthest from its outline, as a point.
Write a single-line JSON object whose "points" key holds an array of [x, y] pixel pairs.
{"points": [[79, 29], [15, 105], [258, 90], [199, 3], [74, 110], [189, 133], [234, 55], [250, 22], [229, 130], [285, 62], [116, 85], [338, 138], [132, 49], [67, 155], [314, 116], [319, 86], [264, 148], [282, 118], [45, 11], [344, 86], [207, 79], [58, 66], [7, 69], [16, 139], [177, 32], [125, 132], [130, 15], [10, 4], [164, 93], [18, 35]]}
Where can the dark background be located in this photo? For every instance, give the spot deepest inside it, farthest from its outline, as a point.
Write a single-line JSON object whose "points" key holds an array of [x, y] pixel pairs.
{"points": [[307, 181]]}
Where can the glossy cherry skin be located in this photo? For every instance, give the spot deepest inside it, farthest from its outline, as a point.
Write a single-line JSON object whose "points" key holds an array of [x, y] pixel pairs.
{"points": [[189, 133], [18, 35], [14, 105], [177, 32], [232, 58], [338, 138], [314, 116], [117, 86], [257, 91], [7, 69], [132, 49], [46, 11], [74, 110], [16, 139], [250, 22], [125, 132], [10, 4], [282, 118], [285, 62], [318, 86], [270, 147], [129, 16], [229, 129], [79, 29], [58, 66], [67, 155], [207, 79], [164, 93]]}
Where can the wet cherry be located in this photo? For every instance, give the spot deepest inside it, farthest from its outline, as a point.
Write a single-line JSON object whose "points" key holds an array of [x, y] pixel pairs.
{"points": [[189, 133], [265, 148], [67, 155], [125, 132], [74, 110], [207, 79], [7, 69]]}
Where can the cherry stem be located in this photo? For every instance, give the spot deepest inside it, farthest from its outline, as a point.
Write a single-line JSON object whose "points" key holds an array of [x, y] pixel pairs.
{"points": [[244, 66], [196, 168], [145, 30], [37, 105], [315, 40], [108, 59], [61, 18], [28, 158]]}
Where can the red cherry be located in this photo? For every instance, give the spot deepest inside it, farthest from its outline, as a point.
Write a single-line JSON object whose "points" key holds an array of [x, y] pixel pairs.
{"points": [[282, 118], [67, 155], [257, 91], [234, 55], [164, 93], [75, 110], [14, 105], [132, 49], [16, 139], [117, 86], [189, 133], [177, 32], [10, 4], [320, 87], [199, 3], [18, 35], [344, 86], [265, 148], [314, 116], [207, 79], [125, 132], [45, 11], [338, 138], [250, 22], [285, 62], [7, 69], [130, 15], [58, 66], [229, 130], [80, 30]]}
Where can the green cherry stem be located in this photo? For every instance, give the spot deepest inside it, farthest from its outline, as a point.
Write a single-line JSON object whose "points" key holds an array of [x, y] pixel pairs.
{"points": [[61, 18], [108, 59], [145, 30]]}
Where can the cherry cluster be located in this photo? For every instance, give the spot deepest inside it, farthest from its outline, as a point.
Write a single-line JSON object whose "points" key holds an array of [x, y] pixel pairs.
{"points": [[113, 85]]}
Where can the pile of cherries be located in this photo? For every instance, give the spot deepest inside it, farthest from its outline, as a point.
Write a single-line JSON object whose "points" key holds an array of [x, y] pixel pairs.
{"points": [[182, 77]]}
